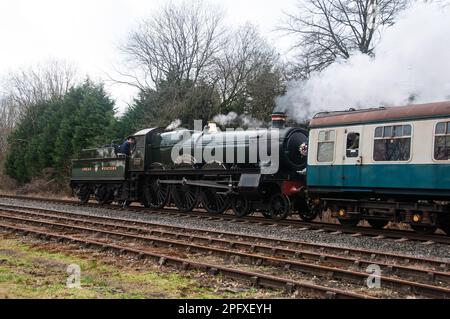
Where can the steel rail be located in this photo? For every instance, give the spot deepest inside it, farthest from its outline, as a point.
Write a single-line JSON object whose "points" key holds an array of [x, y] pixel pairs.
{"points": [[258, 259], [402, 235], [255, 279], [299, 246]]}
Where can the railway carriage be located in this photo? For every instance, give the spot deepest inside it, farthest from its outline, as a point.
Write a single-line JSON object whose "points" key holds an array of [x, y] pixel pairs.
{"points": [[384, 164]]}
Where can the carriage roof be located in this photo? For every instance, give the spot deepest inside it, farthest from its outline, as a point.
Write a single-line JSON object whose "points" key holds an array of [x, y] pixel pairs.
{"points": [[381, 115]]}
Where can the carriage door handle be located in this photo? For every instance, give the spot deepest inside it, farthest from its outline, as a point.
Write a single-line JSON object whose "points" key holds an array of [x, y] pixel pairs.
{"points": [[360, 160]]}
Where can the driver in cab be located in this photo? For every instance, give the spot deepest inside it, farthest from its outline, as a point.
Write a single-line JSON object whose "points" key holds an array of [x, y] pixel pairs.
{"points": [[127, 146]]}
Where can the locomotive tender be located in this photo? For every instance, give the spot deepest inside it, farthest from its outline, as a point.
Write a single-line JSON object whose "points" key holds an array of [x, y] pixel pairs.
{"points": [[380, 165]]}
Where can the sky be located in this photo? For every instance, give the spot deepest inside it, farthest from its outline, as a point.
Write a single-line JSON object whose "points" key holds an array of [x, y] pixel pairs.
{"points": [[416, 71], [87, 33]]}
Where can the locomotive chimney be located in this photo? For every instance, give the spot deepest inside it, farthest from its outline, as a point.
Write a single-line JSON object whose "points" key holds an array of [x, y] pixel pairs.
{"points": [[279, 120]]}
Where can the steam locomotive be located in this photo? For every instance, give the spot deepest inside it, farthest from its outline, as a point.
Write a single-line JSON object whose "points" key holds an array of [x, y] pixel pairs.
{"points": [[378, 165], [248, 170]]}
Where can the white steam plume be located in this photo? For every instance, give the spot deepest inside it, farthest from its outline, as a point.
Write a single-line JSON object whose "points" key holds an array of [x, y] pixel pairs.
{"points": [[174, 125], [251, 122], [411, 65], [241, 120], [224, 120]]}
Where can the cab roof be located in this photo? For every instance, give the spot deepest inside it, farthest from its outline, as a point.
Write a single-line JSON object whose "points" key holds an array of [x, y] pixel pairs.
{"points": [[382, 115]]}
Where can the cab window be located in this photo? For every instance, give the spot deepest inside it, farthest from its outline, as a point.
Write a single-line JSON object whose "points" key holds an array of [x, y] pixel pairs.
{"points": [[392, 143], [352, 144], [326, 144], [442, 142]]}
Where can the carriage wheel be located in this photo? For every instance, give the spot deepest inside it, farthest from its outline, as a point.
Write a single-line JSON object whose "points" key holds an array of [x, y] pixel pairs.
{"points": [[377, 224], [102, 195], [156, 194], [185, 197], [241, 206], [84, 194], [348, 222], [280, 207], [214, 202], [424, 230], [444, 224]]}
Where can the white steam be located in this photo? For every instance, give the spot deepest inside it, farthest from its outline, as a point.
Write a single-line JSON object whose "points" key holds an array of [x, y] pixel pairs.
{"points": [[224, 120], [251, 122], [233, 118], [174, 125], [411, 65]]}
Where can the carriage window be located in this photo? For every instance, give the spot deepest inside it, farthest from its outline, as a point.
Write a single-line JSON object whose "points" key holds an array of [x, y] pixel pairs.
{"points": [[379, 132], [442, 142], [352, 144], [392, 143], [325, 151]]}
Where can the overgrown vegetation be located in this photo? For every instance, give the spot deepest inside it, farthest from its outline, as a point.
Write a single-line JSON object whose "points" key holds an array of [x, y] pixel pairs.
{"points": [[52, 132], [38, 270]]}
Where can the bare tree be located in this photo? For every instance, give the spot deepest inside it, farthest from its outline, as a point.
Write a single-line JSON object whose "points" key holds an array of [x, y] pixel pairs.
{"points": [[9, 114], [245, 54], [29, 86], [178, 42], [328, 30]]}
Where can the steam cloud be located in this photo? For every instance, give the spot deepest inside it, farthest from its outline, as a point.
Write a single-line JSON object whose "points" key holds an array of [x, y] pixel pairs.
{"points": [[224, 120], [411, 65], [174, 125], [233, 118]]}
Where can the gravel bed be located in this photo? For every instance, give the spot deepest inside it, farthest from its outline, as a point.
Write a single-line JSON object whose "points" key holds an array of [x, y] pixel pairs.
{"points": [[411, 248]]}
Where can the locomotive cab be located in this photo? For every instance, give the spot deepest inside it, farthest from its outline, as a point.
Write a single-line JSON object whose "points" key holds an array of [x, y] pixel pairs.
{"points": [[141, 154]]}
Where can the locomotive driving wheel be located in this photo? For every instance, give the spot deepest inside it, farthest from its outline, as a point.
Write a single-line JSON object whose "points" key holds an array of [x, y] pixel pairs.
{"points": [[185, 197], [266, 214], [241, 206], [214, 202], [307, 212], [280, 207], [308, 215], [156, 194]]}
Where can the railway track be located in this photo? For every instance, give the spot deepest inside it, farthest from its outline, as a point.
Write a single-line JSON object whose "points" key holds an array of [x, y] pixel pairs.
{"points": [[400, 235], [422, 277]]}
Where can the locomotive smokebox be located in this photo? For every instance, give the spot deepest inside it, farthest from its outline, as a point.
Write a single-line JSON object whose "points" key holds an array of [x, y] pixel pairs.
{"points": [[279, 120]]}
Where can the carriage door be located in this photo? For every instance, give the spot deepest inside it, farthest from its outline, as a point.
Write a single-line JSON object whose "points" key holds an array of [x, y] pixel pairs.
{"points": [[353, 159]]}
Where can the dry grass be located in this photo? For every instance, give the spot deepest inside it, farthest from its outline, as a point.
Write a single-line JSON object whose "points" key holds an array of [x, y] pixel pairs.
{"points": [[34, 269], [43, 186]]}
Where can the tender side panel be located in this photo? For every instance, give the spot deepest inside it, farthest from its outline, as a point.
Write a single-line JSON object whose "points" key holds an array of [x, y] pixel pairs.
{"points": [[106, 169]]}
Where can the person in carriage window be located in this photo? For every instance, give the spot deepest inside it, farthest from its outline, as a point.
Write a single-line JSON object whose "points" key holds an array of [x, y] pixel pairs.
{"points": [[127, 146]]}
